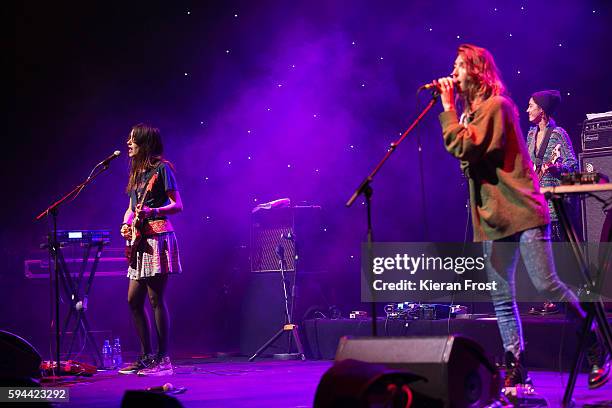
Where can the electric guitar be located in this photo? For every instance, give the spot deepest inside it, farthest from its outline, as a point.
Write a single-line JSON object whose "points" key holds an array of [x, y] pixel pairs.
{"points": [[136, 227], [556, 155]]}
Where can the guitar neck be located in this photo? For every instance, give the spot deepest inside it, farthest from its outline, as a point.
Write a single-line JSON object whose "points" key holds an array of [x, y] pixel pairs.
{"points": [[145, 194]]}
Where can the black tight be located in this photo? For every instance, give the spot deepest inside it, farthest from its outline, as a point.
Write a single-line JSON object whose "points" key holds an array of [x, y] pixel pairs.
{"points": [[155, 287]]}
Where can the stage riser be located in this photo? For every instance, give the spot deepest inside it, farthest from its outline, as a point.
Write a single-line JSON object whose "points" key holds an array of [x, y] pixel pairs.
{"points": [[545, 338]]}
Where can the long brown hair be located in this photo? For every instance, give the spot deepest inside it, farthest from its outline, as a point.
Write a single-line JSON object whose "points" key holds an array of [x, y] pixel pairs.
{"points": [[150, 151], [483, 77]]}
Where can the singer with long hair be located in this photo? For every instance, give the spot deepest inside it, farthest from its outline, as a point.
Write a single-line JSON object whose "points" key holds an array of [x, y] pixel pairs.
{"points": [[154, 195], [509, 213]]}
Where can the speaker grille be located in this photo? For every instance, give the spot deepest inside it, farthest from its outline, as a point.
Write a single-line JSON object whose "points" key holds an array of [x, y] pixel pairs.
{"points": [[592, 211], [264, 245], [289, 227]]}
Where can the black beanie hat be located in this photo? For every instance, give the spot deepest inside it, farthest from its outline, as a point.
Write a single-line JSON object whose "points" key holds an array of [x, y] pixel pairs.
{"points": [[547, 100]]}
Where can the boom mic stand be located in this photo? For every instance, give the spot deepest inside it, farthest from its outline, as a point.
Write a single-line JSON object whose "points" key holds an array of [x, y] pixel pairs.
{"points": [[54, 246], [366, 189], [288, 326]]}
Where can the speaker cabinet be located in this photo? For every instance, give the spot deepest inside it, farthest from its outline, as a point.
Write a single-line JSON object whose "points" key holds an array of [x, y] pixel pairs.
{"points": [[263, 307], [593, 216], [351, 383], [458, 373], [136, 399], [298, 230], [18, 358]]}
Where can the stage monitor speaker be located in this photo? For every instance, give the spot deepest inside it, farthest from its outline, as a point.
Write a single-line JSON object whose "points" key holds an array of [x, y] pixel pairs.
{"points": [[18, 358], [351, 383], [149, 399], [458, 373], [593, 215]]}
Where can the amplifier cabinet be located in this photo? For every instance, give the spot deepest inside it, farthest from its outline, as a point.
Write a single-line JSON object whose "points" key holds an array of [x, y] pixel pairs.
{"points": [[593, 215], [597, 134], [297, 229]]}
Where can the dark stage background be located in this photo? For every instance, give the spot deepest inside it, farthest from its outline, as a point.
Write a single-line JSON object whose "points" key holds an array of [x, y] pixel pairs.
{"points": [[260, 100]]}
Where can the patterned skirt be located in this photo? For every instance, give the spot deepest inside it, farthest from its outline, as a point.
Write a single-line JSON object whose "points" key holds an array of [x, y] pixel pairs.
{"points": [[157, 254]]}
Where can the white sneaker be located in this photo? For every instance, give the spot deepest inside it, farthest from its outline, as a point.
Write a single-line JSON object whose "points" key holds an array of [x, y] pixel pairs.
{"points": [[160, 366], [143, 362]]}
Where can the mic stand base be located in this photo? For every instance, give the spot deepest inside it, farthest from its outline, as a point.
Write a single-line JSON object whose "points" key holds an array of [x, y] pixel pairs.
{"points": [[293, 328], [288, 327], [288, 356]]}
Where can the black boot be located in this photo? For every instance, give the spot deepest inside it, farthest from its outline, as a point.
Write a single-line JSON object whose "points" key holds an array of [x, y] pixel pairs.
{"points": [[596, 352], [516, 372], [599, 361]]}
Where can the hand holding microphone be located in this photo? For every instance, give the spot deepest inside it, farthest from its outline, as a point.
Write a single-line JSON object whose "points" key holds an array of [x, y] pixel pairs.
{"points": [[446, 89], [437, 83]]}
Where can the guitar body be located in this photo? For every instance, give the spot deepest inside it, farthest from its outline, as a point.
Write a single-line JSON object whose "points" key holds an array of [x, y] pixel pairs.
{"points": [[556, 155], [136, 227], [132, 244]]}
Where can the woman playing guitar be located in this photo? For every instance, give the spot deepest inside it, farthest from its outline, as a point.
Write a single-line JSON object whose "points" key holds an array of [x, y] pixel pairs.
{"points": [[152, 247], [550, 149]]}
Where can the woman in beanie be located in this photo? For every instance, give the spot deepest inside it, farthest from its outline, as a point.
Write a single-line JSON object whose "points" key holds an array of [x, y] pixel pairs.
{"points": [[552, 153], [550, 149]]}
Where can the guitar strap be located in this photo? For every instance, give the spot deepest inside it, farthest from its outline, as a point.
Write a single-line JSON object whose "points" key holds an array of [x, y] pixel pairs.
{"points": [[542, 150], [142, 190]]}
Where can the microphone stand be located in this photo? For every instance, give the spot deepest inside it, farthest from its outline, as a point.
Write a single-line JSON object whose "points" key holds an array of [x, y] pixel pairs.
{"points": [[53, 210], [366, 189], [289, 326]]}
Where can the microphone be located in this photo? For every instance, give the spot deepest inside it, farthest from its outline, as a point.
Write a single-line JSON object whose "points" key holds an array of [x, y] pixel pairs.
{"points": [[430, 85], [161, 388], [435, 85], [106, 161], [280, 252]]}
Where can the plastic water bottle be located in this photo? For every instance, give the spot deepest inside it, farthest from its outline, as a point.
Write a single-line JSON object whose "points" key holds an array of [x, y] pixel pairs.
{"points": [[117, 359], [107, 355]]}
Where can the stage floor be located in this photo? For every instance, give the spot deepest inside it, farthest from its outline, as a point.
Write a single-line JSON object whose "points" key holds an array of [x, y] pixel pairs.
{"points": [[234, 382]]}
